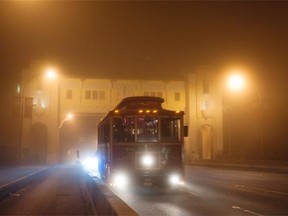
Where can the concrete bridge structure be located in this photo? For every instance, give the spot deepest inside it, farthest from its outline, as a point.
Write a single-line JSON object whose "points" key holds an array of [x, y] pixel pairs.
{"points": [[198, 95]]}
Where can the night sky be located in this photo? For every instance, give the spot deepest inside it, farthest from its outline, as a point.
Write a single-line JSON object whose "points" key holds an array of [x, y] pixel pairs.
{"points": [[144, 40], [159, 40]]}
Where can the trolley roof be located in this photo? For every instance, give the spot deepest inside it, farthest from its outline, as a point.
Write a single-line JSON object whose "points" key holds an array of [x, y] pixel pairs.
{"points": [[140, 102], [145, 105]]}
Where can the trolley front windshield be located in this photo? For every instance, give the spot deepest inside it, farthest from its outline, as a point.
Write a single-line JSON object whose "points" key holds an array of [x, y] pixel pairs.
{"points": [[146, 129]]}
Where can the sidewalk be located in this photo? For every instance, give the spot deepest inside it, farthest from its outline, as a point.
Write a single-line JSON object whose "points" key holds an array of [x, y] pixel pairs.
{"points": [[59, 192], [263, 165], [8, 174]]}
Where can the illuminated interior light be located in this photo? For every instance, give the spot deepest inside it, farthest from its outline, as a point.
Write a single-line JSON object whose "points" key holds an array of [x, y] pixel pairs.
{"points": [[155, 111], [148, 111], [116, 111], [178, 111], [140, 111]]}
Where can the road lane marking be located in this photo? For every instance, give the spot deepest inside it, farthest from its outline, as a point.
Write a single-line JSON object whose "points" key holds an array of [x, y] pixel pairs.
{"points": [[189, 192], [246, 211], [21, 178], [262, 190], [11, 182]]}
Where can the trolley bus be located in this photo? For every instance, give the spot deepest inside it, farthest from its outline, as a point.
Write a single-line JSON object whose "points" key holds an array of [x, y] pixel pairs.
{"points": [[140, 142]]}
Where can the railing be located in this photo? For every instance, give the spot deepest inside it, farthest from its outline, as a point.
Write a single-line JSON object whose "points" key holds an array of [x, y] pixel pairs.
{"points": [[104, 201]]}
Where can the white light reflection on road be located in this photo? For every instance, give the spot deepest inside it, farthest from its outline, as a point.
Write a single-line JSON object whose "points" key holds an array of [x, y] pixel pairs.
{"points": [[154, 200]]}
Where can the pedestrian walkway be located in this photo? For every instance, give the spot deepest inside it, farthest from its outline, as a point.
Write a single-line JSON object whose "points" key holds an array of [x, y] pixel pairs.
{"points": [[9, 174], [58, 193]]}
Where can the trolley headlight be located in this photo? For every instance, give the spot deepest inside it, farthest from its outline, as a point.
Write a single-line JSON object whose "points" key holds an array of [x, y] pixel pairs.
{"points": [[119, 180], [147, 160], [176, 179]]}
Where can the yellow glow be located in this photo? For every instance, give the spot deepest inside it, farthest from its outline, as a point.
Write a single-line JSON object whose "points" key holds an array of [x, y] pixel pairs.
{"points": [[51, 74], [148, 111], [116, 111], [18, 89], [140, 111], [178, 111], [155, 111], [70, 116], [236, 82]]}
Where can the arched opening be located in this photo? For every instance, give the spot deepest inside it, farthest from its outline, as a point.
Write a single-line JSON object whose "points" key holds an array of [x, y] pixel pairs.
{"points": [[39, 143], [78, 138], [206, 142]]}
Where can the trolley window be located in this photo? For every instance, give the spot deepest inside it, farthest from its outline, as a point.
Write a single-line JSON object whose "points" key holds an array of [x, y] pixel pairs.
{"points": [[124, 129], [170, 130], [147, 129]]}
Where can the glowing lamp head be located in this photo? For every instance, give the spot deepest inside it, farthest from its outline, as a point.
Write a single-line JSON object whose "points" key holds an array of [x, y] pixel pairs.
{"points": [[70, 116], [51, 74], [236, 82]]}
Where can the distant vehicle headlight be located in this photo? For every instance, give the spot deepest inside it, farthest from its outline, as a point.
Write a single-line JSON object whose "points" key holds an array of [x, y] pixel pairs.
{"points": [[90, 163], [147, 160]]}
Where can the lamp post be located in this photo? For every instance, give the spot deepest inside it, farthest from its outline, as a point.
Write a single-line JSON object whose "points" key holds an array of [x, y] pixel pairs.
{"points": [[49, 74], [69, 117], [237, 82], [260, 102]]}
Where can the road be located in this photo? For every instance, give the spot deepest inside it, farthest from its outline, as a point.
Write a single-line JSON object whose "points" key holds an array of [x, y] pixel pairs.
{"points": [[58, 193], [208, 191], [211, 191]]}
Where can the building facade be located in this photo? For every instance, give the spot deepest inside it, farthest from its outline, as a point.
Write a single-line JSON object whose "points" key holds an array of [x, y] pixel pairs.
{"points": [[199, 96]]}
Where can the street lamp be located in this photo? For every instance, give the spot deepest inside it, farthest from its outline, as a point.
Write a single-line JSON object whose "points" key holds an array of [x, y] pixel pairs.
{"points": [[69, 117], [51, 73], [237, 82], [48, 74]]}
